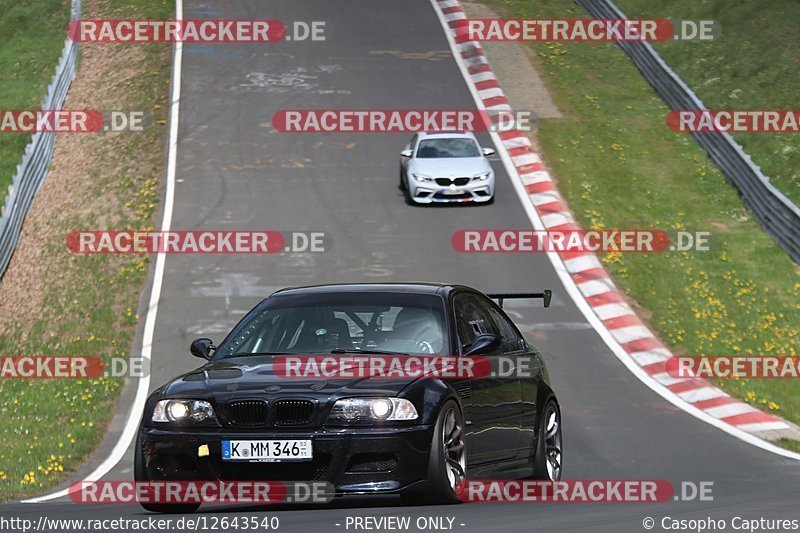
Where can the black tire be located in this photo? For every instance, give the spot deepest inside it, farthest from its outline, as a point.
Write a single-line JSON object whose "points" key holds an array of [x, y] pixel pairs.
{"points": [[491, 201], [140, 474], [406, 190], [447, 457], [548, 459]]}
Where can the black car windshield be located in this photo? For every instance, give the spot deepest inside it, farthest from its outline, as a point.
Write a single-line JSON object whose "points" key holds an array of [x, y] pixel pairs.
{"points": [[335, 323], [438, 148]]}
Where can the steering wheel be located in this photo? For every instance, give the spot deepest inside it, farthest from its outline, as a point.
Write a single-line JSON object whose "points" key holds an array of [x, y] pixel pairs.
{"points": [[423, 336], [425, 347]]}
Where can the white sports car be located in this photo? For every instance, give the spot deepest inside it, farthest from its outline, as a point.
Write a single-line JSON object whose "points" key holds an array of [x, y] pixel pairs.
{"points": [[446, 167]]}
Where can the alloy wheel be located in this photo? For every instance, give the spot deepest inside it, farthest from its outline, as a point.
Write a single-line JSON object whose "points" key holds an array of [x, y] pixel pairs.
{"points": [[454, 449], [552, 442]]}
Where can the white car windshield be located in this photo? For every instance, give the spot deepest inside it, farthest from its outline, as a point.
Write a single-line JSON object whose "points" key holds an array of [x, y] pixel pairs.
{"points": [[439, 148]]}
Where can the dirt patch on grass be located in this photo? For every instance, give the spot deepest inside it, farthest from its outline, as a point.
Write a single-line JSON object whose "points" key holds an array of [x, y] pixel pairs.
{"points": [[57, 302], [722, 226], [41, 263]]}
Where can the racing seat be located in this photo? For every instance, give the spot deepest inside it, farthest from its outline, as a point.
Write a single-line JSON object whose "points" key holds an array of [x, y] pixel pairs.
{"points": [[417, 326], [325, 336]]}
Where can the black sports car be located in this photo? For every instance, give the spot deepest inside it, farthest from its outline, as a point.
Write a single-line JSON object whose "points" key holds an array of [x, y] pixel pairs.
{"points": [[418, 437]]}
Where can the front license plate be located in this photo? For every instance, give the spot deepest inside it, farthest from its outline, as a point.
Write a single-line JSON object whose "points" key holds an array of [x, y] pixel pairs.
{"points": [[266, 451], [451, 191]]}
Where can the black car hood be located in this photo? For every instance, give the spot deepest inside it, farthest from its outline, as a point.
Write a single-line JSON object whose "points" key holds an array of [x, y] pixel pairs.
{"points": [[248, 377]]}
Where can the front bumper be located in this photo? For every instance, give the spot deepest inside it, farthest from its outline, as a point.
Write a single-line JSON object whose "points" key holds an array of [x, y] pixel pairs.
{"points": [[430, 192], [353, 460]]}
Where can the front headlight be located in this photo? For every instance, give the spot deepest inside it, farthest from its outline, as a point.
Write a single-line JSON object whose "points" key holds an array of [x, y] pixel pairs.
{"points": [[482, 177], [367, 409], [422, 178], [183, 411]]}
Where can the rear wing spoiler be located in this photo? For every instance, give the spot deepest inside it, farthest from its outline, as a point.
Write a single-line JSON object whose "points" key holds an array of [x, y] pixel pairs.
{"points": [[547, 295]]}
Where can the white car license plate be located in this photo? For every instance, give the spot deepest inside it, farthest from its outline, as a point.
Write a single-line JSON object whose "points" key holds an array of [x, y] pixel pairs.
{"points": [[452, 191], [266, 450]]}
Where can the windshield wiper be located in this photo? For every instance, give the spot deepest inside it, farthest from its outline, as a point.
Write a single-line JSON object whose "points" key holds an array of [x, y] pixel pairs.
{"points": [[368, 351], [259, 353]]}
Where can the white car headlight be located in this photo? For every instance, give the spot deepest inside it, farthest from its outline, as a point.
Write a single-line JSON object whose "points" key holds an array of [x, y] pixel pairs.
{"points": [[422, 178], [361, 409], [482, 177], [183, 411]]}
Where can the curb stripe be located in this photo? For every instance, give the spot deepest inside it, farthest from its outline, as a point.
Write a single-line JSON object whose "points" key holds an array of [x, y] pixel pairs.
{"points": [[585, 269]]}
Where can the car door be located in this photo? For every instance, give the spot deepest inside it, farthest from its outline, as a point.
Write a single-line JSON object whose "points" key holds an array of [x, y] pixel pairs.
{"points": [[494, 409], [524, 361]]}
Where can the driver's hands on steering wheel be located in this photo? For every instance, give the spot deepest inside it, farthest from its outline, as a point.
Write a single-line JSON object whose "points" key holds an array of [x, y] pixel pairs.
{"points": [[425, 347]]}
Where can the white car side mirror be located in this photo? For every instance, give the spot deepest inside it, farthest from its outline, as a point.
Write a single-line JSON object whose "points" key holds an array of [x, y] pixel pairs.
{"points": [[406, 153], [488, 151]]}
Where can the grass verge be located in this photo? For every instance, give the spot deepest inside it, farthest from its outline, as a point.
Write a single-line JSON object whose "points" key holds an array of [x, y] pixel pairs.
{"points": [[619, 166], [57, 303], [790, 444], [32, 35], [752, 65]]}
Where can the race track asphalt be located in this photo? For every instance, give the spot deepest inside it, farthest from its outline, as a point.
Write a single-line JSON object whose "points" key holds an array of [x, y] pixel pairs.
{"points": [[235, 172]]}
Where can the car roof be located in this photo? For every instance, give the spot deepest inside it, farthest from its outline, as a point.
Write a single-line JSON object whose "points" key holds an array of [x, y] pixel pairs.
{"points": [[447, 135], [405, 287]]}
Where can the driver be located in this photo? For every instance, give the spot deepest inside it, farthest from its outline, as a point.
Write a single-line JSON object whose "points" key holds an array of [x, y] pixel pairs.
{"points": [[418, 326]]}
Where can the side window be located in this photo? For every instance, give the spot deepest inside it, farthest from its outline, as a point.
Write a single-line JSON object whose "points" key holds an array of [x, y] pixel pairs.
{"points": [[471, 318], [512, 340], [413, 144]]}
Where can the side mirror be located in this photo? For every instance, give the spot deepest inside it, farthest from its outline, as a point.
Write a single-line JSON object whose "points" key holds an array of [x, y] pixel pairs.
{"points": [[407, 152], [483, 343], [202, 348], [488, 151]]}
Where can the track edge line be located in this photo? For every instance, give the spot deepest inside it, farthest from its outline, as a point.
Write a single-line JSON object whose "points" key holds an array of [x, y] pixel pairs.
{"points": [[560, 268]]}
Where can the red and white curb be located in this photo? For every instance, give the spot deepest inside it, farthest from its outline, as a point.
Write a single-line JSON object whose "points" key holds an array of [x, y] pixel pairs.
{"points": [[585, 270]]}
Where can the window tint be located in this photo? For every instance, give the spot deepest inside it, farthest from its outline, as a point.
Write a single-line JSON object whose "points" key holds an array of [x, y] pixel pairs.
{"points": [[443, 147], [471, 318], [399, 323], [512, 340]]}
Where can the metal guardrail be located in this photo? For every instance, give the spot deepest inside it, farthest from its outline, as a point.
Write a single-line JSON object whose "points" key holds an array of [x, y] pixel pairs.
{"points": [[779, 217], [36, 160]]}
